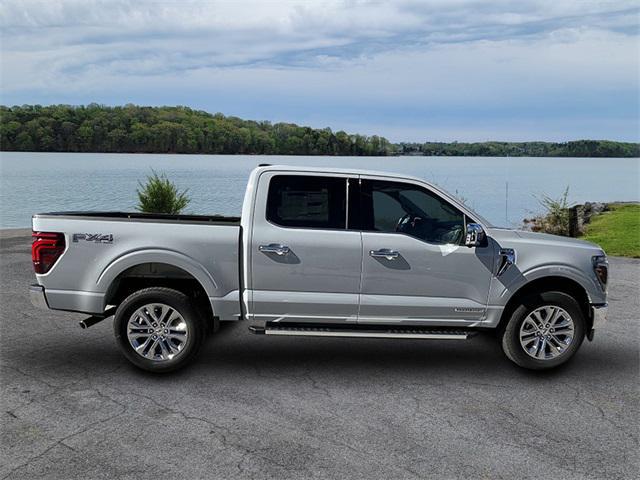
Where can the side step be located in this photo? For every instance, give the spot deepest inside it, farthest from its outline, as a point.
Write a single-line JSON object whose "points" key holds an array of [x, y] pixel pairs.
{"points": [[366, 331]]}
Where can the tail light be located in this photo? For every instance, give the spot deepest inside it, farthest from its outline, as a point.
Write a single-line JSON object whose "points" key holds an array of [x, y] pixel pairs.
{"points": [[46, 249]]}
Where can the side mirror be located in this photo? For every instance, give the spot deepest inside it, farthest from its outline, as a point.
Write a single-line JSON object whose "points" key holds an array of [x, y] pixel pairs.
{"points": [[475, 235]]}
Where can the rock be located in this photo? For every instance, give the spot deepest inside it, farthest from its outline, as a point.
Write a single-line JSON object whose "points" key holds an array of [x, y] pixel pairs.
{"points": [[580, 215]]}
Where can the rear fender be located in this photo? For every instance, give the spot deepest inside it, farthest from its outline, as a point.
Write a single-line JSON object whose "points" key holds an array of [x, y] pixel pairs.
{"points": [[170, 257]]}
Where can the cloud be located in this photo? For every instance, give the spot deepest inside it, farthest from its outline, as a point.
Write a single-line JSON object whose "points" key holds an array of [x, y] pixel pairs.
{"points": [[425, 66]]}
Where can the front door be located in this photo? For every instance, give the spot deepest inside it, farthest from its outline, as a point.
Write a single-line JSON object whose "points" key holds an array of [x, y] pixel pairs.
{"points": [[305, 264], [416, 270]]}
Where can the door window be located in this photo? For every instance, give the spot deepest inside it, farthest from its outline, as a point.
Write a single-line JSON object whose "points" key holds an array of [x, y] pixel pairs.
{"points": [[396, 207], [307, 201]]}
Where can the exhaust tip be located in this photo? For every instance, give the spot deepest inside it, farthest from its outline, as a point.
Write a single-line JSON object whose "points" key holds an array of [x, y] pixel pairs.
{"points": [[91, 321]]}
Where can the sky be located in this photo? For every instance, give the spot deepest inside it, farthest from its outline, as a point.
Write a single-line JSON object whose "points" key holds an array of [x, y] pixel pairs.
{"points": [[409, 70]]}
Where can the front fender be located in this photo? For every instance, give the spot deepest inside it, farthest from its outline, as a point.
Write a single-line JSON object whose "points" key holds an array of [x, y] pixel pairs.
{"points": [[516, 282], [504, 287]]}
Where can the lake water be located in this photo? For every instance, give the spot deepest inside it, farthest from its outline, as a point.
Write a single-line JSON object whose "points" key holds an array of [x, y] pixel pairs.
{"points": [[42, 182]]}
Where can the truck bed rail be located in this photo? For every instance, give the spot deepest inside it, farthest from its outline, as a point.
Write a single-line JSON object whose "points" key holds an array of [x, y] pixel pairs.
{"points": [[139, 216]]}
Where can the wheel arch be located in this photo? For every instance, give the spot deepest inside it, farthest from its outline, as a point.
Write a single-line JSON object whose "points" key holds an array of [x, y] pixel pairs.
{"points": [[155, 256], [550, 283], [134, 276]]}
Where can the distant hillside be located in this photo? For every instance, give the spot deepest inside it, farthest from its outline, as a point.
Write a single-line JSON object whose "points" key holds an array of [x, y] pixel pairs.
{"points": [[135, 129], [578, 148], [96, 128]]}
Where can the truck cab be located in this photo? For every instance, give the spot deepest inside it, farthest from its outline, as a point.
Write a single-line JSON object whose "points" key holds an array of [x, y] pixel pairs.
{"points": [[367, 249]]}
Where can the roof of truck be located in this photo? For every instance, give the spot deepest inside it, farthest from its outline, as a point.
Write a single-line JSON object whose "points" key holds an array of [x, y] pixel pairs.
{"points": [[343, 171]]}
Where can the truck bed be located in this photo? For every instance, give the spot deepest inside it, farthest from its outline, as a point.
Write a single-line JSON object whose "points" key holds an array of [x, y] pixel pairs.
{"points": [[102, 247]]}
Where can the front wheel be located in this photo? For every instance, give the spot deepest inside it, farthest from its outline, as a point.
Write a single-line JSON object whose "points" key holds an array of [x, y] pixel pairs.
{"points": [[158, 329], [544, 331]]}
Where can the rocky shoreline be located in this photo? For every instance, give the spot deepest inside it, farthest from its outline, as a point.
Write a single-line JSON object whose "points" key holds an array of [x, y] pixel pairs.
{"points": [[570, 221]]}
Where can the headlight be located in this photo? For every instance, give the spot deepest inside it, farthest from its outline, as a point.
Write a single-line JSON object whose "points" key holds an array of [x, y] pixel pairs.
{"points": [[601, 269]]}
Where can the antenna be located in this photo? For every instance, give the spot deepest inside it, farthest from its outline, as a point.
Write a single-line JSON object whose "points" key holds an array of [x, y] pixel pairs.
{"points": [[506, 202]]}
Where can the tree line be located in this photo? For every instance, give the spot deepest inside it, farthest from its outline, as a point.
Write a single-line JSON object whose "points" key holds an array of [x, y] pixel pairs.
{"points": [[578, 148], [136, 129]]}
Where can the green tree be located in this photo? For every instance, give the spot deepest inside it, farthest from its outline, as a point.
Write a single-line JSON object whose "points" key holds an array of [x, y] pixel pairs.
{"points": [[160, 195], [132, 128]]}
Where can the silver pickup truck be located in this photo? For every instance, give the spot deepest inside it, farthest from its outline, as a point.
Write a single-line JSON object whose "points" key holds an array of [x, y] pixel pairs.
{"points": [[321, 252]]}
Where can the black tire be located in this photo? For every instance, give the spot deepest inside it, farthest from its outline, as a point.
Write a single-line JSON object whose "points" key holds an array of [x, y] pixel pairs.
{"points": [[511, 336], [178, 301]]}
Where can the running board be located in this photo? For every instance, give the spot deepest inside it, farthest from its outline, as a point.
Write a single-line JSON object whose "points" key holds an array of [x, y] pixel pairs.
{"points": [[367, 332]]}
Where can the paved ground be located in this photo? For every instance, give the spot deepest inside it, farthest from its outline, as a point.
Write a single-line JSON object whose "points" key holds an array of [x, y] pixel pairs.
{"points": [[255, 407]]}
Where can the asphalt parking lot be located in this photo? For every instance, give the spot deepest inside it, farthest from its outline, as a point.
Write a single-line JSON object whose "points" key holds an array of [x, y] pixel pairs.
{"points": [[256, 407]]}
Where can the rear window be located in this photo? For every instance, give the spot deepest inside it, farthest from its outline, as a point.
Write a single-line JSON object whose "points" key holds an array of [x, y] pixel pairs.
{"points": [[307, 201]]}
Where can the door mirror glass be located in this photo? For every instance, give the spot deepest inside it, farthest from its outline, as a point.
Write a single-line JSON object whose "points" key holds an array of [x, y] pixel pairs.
{"points": [[475, 235]]}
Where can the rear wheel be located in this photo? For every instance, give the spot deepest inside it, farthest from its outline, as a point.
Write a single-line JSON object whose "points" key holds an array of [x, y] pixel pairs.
{"points": [[158, 329], [544, 331]]}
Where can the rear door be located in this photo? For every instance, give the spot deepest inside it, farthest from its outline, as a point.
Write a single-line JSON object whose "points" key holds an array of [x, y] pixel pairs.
{"points": [[416, 270], [305, 263]]}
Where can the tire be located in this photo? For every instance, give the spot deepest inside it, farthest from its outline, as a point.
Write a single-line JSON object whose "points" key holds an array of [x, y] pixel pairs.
{"points": [[158, 329], [536, 339]]}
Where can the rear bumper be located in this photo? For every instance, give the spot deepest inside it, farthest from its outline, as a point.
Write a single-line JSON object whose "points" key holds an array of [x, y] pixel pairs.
{"points": [[599, 314], [67, 300], [37, 297]]}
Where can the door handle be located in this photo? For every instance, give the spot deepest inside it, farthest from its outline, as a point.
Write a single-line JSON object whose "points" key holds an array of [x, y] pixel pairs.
{"points": [[384, 253], [276, 248]]}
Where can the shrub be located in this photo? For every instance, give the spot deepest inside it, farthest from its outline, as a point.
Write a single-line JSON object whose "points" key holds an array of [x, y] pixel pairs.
{"points": [[556, 218], [160, 195]]}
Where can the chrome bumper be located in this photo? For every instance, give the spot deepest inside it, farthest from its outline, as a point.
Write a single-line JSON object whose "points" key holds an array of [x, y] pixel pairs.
{"points": [[599, 313], [36, 295]]}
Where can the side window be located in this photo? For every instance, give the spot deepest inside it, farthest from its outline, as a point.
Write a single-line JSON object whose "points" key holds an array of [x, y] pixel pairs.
{"points": [[307, 201], [405, 208], [387, 210]]}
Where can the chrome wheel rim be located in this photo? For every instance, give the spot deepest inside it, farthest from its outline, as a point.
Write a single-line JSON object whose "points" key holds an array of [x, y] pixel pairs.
{"points": [[547, 332], [157, 332]]}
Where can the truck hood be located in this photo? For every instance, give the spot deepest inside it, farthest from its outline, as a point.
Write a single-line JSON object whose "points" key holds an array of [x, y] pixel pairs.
{"points": [[542, 239]]}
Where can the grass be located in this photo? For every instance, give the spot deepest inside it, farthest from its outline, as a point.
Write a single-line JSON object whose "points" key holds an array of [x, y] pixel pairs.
{"points": [[617, 231]]}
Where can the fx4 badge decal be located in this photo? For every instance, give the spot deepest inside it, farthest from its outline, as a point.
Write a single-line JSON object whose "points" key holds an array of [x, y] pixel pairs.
{"points": [[93, 237]]}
